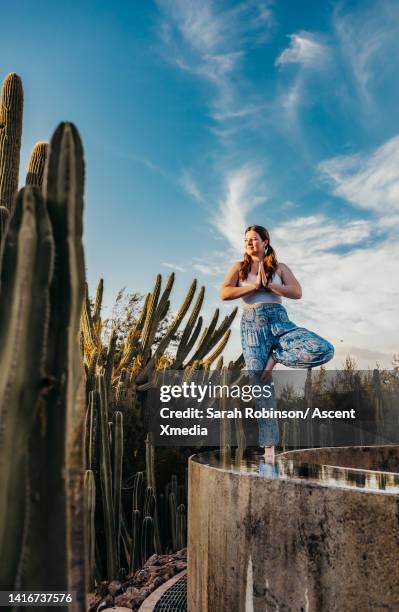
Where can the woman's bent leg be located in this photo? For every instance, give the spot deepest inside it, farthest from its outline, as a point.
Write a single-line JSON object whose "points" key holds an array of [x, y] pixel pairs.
{"points": [[301, 348]]}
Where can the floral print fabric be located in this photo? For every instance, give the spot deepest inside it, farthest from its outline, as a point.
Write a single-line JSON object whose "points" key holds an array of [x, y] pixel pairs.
{"points": [[265, 330]]}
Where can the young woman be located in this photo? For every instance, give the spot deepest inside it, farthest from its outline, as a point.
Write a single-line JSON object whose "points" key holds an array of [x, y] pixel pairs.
{"points": [[267, 335]]}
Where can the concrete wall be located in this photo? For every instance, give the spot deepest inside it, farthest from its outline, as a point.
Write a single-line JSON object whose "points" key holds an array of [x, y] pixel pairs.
{"points": [[256, 544]]}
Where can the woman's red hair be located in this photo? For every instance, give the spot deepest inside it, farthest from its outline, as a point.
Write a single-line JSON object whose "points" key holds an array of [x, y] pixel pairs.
{"points": [[270, 259]]}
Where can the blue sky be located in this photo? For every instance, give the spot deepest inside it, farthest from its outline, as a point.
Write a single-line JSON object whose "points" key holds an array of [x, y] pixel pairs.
{"points": [[199, 118]]}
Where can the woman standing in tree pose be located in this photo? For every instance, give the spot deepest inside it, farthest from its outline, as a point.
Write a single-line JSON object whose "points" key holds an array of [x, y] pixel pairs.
{"points": [[267, 335]]}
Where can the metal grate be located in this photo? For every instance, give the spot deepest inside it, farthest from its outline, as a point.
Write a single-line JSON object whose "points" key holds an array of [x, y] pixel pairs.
{"points": [[175, 598]]}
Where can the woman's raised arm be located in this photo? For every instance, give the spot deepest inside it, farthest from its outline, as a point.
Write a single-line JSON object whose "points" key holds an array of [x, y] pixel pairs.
{"points": [[228, 288]]}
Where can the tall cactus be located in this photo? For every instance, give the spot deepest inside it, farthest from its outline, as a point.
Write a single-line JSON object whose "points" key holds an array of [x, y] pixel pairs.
{"points": [[41, 380], [90, 508], [117, 459], [26, 265], [11, 109], [59, 448], [106, 479]]}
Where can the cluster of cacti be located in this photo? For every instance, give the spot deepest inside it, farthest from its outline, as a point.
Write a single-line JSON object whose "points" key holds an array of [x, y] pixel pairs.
{"points": [[11, 111], [42, 393], [126, 375], [155, 525], [65, 397], [131, 368]]}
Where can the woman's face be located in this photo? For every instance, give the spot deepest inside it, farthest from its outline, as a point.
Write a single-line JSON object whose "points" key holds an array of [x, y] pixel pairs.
{"points": [[253, 243]]}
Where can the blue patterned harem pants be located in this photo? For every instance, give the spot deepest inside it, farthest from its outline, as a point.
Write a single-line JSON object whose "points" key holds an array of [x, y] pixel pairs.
{"points": [[266, 330]]}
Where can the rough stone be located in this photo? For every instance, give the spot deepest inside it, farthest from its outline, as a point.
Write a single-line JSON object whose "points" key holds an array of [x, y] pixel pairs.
{"points": [[133, 591], [292, 544], [114, 588]]}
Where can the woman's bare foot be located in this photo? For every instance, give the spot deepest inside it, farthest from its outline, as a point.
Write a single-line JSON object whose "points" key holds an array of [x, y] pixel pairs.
{"points": [[271, 362], [269, 454]]}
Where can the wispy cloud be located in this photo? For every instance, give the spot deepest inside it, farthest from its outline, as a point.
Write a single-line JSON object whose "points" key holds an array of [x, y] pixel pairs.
{"points": [[191, 187], [243, 191], [205, 269], [210, 42], [173, 266], [309, 55], [364, 37], [304, 49], [322, 233], [370, 182]]}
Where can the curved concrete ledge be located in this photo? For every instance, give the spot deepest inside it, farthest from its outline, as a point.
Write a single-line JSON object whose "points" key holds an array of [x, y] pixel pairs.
{"points": [[309, 534]]}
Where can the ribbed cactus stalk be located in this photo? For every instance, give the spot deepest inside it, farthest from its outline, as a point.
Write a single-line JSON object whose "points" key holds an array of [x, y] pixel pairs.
{"points": [[90, 508], [42, 282], [57, 515], [26, 266], [135, 548], [149, 328], [147, 539], [11, 109], [169, 334], [137, 490], [181, 526], [98, 302], [117, 460], [135, 528], [91, 433], [150, 471], [149, 502], [37, 162], [173, 518], [149, 460], [106, 479], [4, 216]]}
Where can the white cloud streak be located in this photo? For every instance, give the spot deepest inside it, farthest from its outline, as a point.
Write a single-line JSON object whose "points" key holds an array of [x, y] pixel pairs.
{"points": [[210, 42], [371, 182], [309, 54], [243, 192], [363, 38], [304, 49], [173, 266]]}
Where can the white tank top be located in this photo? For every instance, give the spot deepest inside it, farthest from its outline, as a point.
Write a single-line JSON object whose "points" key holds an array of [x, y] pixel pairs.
{"points": [[262, 296]]}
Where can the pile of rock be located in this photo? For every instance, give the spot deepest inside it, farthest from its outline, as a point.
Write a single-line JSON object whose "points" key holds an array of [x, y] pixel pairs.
{"points": [[134, 590]]}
